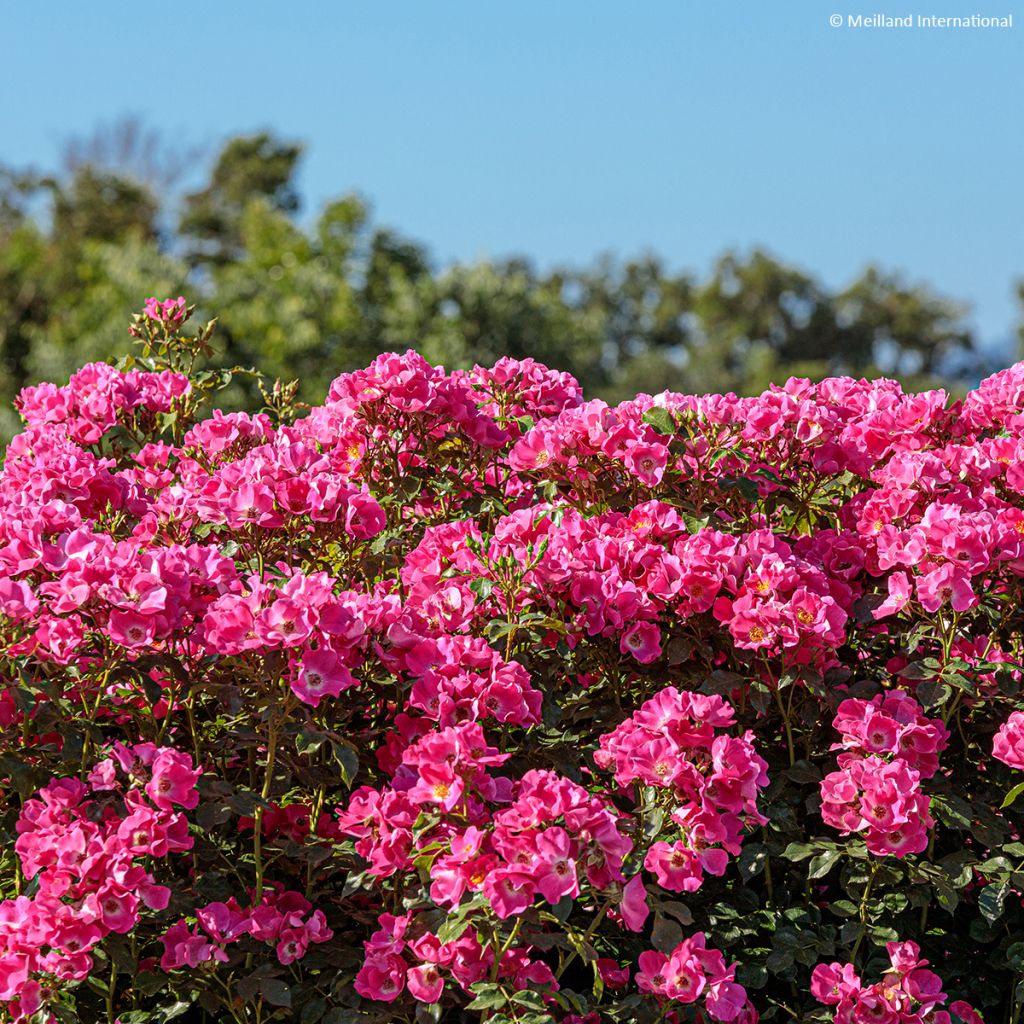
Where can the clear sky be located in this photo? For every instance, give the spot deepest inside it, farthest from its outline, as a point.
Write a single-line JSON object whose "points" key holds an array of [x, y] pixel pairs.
{"points": [[563, 129]]}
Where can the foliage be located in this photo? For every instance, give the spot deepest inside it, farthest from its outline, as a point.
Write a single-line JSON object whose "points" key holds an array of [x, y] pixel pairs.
{"points": [[459, 698], [311, 296]]}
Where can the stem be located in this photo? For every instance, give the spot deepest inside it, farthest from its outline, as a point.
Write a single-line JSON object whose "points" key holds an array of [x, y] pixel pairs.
{"points": [[500, 951], [135, 960], [928, 857], [783, 1006], [785, 722], [91, 715], [951, 710], [314, 817], [587, 936], [864, 912], [268, 778], [111, 989], [229, 1000]]}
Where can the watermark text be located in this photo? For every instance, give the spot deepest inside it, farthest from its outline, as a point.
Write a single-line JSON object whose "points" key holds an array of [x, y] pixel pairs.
{"points": [[922, 21]]}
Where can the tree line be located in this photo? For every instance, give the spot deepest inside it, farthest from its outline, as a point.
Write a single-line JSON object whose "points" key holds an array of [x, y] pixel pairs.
{"points": [[308, 298]]}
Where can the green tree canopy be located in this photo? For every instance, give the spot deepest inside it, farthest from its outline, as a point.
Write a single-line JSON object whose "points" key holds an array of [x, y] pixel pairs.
{"points": [[309, 298]]}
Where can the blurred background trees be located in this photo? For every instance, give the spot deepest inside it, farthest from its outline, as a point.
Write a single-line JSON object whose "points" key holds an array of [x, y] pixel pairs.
{"points": [[308, 298]]}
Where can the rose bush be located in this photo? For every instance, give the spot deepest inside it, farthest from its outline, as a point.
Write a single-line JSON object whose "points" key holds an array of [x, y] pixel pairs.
{"points": [[461, 698]]}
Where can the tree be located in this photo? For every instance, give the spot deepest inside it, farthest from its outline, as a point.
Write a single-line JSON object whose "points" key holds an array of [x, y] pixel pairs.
{"points": [[249, 167], [900, 329], [309, 300]]}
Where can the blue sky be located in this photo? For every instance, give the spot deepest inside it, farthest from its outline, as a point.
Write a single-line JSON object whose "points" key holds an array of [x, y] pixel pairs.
{"points": [[564, 129]]}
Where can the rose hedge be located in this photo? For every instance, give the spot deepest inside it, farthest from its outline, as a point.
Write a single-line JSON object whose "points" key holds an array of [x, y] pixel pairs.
{"points": [[459, 698]]}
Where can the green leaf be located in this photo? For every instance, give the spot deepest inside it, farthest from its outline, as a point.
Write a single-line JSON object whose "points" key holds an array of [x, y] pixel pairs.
{"points": [[747, 488], [952, 810], [347, 758], [990, 902], [752, 860], [563, 908], [804, 773], [313, 1011], [276, 992], [531, 1000], [822, 864], [844, 908], [308, 741], [166, 1013], [946, 895], [933, 694], [153, 690], [487, 997], [452, 928], [667, 934], [653, 822], [916, 670], [1012, 795], [660, 419], [428, 1013], [799, 851]]}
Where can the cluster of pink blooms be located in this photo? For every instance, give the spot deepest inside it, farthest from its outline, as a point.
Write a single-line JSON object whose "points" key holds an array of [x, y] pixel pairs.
{"points": [[589, 437], [889, 747], [402, 955], [541, 837], [628, 576], [393, 388], [88, 845], [340, 566], [907, 994], [96, 398], [712, 780], [513, 841], [284, 919], [460, 676], [691, 972], [517, 388]]}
